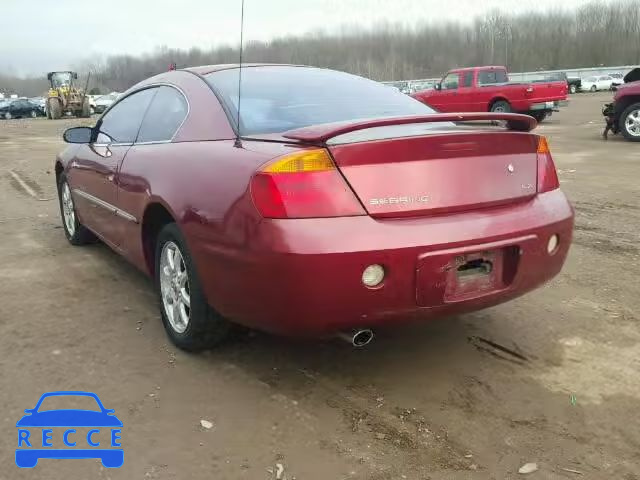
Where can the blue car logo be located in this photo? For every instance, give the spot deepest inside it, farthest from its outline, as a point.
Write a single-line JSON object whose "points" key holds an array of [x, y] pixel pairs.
{"points": [[39, 431]]}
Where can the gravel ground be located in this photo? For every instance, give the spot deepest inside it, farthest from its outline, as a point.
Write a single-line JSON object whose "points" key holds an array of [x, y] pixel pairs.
{"points": [[550, 378]]}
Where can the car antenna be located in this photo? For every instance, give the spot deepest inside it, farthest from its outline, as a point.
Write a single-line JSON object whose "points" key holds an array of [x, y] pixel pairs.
{"points": [[238, 143]]}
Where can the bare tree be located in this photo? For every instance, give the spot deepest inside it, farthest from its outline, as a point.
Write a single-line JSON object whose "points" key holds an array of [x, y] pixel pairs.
{"points": [[596, 33]]}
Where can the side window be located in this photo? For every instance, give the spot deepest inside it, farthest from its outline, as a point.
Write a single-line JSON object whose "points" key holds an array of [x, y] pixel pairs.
{"points": [[165, 115], [501, 76], [487, 77], [122, 122], [450, 82], [491, 77], [467, 79]]}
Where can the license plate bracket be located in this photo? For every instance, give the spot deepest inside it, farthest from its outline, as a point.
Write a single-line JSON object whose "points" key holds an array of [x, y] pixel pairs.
{"points": [[474, 274], [487, 269]]}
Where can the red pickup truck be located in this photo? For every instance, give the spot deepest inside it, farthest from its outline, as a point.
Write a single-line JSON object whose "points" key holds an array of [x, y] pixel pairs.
{"points": [[488, 89]]}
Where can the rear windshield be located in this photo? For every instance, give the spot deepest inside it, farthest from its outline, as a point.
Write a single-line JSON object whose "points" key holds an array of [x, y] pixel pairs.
{"points": [[279, 98]]}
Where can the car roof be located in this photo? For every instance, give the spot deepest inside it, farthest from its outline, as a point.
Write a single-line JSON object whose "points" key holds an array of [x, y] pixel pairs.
{"points": [[206, 69], [471, 69]]}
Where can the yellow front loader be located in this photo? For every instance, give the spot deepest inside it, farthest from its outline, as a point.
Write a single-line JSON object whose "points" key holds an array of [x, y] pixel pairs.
{"points": [[64, 97]]}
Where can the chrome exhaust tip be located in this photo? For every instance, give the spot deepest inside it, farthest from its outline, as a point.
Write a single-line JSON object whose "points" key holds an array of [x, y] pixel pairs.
{"points": [[358, 338]]}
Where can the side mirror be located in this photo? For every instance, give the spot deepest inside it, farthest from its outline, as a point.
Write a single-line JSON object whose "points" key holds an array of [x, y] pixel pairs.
{"points": [[78, 135], [438, 86], [75, 76]]}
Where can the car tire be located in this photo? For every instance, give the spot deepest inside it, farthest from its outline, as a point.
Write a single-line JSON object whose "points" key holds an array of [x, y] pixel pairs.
{"points": [[188, 319], [573, 89], [34, 114], [630, 122], [8, 116], [539, 116], [86, 109], [593, 89], [76, 233], [501, 106], [55, 109]]}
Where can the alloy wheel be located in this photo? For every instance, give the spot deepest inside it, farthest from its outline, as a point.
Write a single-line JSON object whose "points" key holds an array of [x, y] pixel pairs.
{"points": [[68, 210], [632, 123], [174, 287]]}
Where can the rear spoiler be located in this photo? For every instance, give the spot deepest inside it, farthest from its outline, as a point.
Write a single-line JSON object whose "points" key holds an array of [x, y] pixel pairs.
{"points": [[325, 131]]}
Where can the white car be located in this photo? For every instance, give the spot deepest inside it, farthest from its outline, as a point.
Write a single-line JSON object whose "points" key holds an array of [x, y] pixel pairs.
{"points": [[105, 101], [593, 84]]}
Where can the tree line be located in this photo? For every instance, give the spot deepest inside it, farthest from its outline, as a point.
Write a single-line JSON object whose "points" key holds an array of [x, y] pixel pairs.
{"points": [[593, 34]]}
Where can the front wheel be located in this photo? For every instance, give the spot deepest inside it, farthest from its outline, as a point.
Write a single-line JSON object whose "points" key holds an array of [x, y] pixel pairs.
{"points": [[630, 122], [34, 114], [593, 89], [573, 89], [76, 233], [187, 317], [55, 108], [8, 116]]}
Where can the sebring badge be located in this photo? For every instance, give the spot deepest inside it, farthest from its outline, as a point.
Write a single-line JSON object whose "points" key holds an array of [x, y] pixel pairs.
{"points": [[511, 168], [399, 200]]}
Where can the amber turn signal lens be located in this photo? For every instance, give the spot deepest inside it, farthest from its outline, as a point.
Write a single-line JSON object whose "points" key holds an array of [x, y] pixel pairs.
{"points": [[543, 145], [300, 162]]}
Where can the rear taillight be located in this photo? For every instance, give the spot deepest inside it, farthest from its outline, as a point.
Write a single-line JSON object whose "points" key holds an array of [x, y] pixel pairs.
{"points": [[547, 175], [304, 184]]}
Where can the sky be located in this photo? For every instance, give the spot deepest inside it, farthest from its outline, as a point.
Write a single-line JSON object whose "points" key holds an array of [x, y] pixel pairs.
{"points": [[37, 36]]}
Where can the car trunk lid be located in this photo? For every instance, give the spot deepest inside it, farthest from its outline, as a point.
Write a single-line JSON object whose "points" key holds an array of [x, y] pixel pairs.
{"points": [[448, 170]]}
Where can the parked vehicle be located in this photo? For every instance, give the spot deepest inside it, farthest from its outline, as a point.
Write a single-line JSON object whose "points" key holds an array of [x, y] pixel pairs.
{"points": [[623, 115], [574, 84], [19, 108], [420, 86], [104, 102], [597, 83], [334, 204], [487, 89], [617, 79], [41, 103]]}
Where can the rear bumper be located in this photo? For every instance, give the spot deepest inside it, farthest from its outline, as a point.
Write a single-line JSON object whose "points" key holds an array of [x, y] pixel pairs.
{"points": [[552, 105], [303, 277]]}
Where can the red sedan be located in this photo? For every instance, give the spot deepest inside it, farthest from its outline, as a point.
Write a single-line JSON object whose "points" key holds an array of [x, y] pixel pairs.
{"points": [[332, 204]]}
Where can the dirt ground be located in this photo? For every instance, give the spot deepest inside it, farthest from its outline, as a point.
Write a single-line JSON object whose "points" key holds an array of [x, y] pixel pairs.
{"points": [[550, 378]]}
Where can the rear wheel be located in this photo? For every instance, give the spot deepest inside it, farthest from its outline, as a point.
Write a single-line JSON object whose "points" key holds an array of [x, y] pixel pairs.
{"points": [[593, 88], [501, 106], [187, 317], [55, 109], [34, 114], [539, 116], [86, 109], [573, 88], [8, 116], [76, 233], [630, 122]]}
